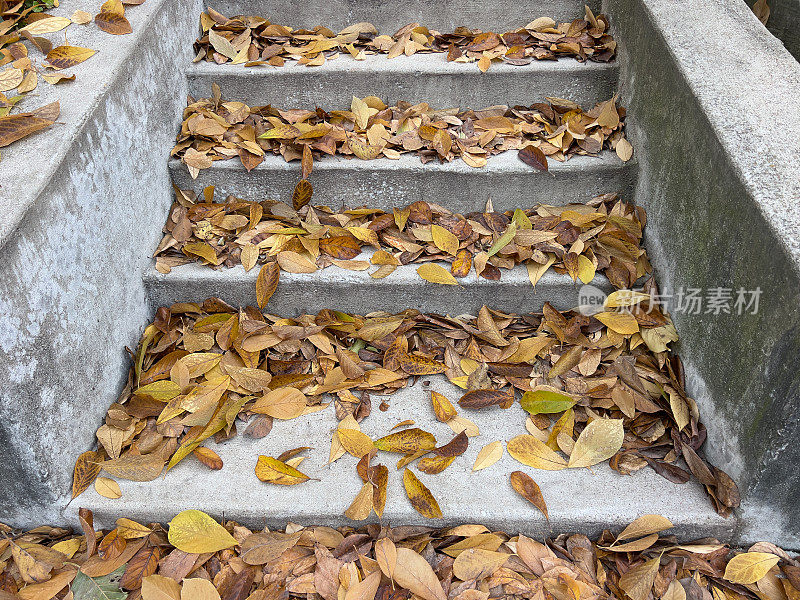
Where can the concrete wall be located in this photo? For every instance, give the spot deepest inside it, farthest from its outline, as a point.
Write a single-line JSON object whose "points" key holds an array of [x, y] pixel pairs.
{"points": [[71, 292], [784, 22], [711, 124]]}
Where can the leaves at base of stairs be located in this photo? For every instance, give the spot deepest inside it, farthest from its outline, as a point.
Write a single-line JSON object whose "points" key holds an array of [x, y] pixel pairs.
{"points": [[228, 561], [557, 129], [206, 369], [253, 41], [602, 236]]}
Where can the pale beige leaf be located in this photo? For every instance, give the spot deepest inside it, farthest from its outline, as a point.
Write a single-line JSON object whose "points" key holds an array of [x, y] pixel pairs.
{"points": [[599, 441], [198, 589], [488, 455], [108, 488], [413, 573]]}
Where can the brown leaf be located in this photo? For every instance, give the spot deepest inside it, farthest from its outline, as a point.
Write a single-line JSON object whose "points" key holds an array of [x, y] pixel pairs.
{"points": [[413, 573], [267, 283], [302, 194], [87, 468], [528, 489], [111, 18], [482, 398], [534, 157]]}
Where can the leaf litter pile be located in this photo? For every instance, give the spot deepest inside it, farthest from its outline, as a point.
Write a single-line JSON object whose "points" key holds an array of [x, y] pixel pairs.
{"points": [[196, 558], [595, 388], [557, 129], [603, 235], [253, 41]]}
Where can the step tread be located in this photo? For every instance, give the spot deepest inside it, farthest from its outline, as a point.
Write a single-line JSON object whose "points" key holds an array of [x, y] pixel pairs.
{"points": [[578, 500], [356, 291]]}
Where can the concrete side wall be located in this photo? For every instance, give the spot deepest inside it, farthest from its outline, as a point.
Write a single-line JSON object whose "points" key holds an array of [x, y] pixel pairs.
{"points": [[721, 190], [71, 292], [784, 22]]}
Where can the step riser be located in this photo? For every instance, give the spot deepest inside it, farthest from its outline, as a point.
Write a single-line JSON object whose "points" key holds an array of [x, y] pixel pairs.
{"points": [[357, 292], [353, 183], [391, 15], [427, 78]]}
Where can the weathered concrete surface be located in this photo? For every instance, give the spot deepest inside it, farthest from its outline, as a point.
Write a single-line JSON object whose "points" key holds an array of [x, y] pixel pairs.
{"points": [[578, 500], [385, 183], [357, 292], [417, 78], [784, 22], [390, 15], [714, 127], [83, 204]]}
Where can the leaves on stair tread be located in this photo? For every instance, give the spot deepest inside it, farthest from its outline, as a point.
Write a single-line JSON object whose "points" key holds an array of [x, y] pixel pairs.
{"points": [[429, 563], [253, 41], [608, 234], [214, 130], [292, 364]]}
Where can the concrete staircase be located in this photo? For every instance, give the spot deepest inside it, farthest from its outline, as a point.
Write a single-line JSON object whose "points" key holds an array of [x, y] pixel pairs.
{"points": [[712, 109], [585, 500]]}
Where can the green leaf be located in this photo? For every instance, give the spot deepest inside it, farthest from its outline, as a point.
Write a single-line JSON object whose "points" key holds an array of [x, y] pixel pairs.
{"points": [[543, 401], [504, 240], [99, 588]]}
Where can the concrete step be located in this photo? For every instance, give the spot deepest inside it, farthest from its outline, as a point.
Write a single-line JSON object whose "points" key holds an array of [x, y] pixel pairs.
{"points": [[578, 500], [418, 78], [357, 292], [391, 15], [384, 183]]}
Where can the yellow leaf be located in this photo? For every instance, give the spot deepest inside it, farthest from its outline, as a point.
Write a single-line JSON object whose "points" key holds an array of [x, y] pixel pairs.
{"points": [[488, 455], [108, 488], [638, 582], [749, 567], [535, 453], [355, 442], [421, 498], [64, 57], [271, 470], [536, 271], [644, 525], [48, 25], [413, 573], [158, 587], [444, 240], [193, 531], [442, 407], [131, 530], [476, 563], [198, 589], [267, 283], [586, 269], [362, 504], [293, 262], [407, 441], [600, 440], [622, 323], [249, 256], [436, 274], [201, 249], [283, 403]]}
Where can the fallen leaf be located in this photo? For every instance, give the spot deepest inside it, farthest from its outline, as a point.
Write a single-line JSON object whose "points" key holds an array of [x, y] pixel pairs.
{"points": [[529, 489], [488, 455], [600, 440], [421, 498], [195, 532]]}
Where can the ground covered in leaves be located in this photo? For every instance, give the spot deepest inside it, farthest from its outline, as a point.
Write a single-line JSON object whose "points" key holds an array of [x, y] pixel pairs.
{"points": [[253, 41], [196, 558], [603, 235], [556, 129], [29, 59], [595, 388]]}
